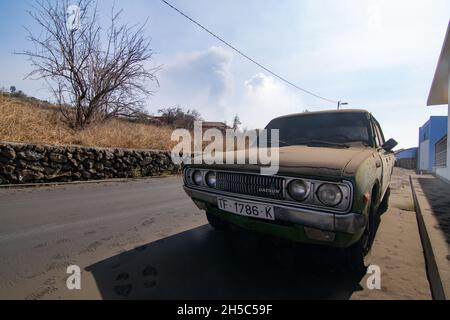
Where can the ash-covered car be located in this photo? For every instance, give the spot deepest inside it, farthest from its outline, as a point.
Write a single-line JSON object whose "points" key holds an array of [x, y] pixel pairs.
{"points": [[334, 174]]}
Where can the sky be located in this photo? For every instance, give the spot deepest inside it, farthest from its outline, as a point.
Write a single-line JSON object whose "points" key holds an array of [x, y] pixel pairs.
{"points": [[378, 55]]}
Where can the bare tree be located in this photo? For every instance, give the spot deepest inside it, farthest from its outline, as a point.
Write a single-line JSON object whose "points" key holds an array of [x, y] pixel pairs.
{"points": [[94, 73]]}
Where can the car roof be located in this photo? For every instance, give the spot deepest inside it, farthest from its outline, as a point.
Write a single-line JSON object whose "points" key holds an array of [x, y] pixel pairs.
{"points": [[323, 112]]}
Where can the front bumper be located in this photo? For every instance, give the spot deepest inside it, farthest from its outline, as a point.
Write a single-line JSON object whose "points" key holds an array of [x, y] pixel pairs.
{"points": [[350, 223]]}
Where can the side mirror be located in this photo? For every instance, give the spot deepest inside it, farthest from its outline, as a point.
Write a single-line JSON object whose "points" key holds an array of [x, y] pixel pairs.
{"points": [[389, 145]]}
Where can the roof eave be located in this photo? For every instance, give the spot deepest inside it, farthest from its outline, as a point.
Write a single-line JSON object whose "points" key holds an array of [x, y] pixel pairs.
{"points": [[439, 88]]}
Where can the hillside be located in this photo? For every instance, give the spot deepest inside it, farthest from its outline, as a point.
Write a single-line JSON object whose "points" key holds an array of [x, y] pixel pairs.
{"points": [[29, 120]]}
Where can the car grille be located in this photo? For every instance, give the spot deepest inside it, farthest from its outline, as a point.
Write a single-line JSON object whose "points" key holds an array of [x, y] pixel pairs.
{"points": [[249, 184]]}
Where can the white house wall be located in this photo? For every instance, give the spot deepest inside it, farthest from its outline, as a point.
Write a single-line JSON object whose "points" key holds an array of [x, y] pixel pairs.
{"points": [[445, 172], [424, 155]]}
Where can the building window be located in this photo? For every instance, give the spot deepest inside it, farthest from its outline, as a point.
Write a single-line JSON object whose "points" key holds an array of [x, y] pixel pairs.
{"points": [[441, 153]]}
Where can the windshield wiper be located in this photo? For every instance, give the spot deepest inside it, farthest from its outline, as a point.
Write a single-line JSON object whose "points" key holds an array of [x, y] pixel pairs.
{"points": [[316, 142]]}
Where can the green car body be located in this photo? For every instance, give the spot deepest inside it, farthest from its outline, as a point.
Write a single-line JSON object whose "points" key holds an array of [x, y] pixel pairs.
{"points": [[362, 172]]}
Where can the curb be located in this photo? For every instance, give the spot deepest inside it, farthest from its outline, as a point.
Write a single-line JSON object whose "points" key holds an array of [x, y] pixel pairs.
{"points": [[437, 290], [55, 184]]}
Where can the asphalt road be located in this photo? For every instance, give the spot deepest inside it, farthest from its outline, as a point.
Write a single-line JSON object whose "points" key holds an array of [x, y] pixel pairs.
{"points": [[146, 240]]}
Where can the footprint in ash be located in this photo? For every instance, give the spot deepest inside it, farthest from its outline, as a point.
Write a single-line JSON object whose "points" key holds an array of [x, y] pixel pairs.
{"points": [[123, 284], [123, 288], [150, 275]]}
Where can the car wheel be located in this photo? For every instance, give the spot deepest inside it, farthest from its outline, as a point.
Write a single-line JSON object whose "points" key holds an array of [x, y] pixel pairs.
{"points": [[217, 223], [357, 257], [384, 205]]}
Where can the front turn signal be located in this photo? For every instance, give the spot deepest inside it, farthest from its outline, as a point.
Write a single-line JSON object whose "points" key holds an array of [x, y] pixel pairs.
{"points": [[366, 198]]}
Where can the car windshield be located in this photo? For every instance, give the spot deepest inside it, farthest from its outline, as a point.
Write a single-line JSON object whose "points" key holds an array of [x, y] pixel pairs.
{"points": [[323, 129]]}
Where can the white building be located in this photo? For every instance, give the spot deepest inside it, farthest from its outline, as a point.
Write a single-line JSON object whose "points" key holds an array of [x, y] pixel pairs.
{"points": [[440, 94]]}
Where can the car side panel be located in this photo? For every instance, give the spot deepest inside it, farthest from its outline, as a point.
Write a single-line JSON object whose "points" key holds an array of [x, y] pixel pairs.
{"points": [[366, 177]]}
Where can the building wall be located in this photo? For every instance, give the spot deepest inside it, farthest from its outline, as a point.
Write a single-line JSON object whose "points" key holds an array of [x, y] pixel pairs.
{"points": [[445, 172], [424, 156], [408, 153], [429, 134], [423, 152]]}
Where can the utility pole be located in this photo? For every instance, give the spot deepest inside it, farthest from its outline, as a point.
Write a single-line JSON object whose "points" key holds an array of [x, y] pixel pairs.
{"points": [[340, 103]]}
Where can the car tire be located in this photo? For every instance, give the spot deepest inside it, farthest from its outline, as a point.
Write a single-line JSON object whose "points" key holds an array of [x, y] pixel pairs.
{"points": [[217, 223], [357, 257], [384, 205]]}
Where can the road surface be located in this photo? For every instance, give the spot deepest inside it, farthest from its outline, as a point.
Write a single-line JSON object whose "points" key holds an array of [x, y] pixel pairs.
{"points": [[146, 240]]}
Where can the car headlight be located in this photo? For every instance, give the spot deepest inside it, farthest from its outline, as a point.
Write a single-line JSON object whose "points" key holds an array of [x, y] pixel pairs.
{"points": [[211, 179], [298, 190], [198, 178], [330, 195]]}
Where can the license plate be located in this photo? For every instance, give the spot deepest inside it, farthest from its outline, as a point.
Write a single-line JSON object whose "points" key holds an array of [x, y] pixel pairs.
{"points": [[248, 209]]}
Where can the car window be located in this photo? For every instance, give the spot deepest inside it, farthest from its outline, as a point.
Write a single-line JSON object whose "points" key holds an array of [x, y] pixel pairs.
{"points": [[345, 127], [379, 133]]}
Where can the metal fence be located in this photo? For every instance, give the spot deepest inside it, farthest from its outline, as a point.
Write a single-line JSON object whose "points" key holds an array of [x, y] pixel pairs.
{"points": [[407, 163]]}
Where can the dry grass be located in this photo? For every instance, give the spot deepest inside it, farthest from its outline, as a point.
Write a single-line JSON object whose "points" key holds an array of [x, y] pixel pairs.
{"points": [[25, 121]]}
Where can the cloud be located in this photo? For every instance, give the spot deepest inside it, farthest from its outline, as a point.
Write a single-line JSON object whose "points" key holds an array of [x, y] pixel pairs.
{"points": [[265, 98], [200, 80], [204, 81], [208, 70]]}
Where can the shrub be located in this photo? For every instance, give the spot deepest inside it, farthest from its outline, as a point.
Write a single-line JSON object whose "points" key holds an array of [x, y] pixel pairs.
{"points": [[179, 118]]}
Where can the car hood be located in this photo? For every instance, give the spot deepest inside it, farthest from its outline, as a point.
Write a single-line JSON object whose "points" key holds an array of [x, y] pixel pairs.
{"points": [[332, 163]]}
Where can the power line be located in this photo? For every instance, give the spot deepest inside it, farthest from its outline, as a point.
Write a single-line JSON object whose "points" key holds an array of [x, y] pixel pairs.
{"points": [[246, 56]]}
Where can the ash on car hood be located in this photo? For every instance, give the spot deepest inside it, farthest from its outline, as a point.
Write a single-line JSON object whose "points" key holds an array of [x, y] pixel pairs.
{"points": [[332, 163], [322, 161]]}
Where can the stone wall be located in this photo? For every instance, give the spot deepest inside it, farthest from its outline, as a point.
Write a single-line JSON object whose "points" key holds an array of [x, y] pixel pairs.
{"points": [[27, 163]]}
